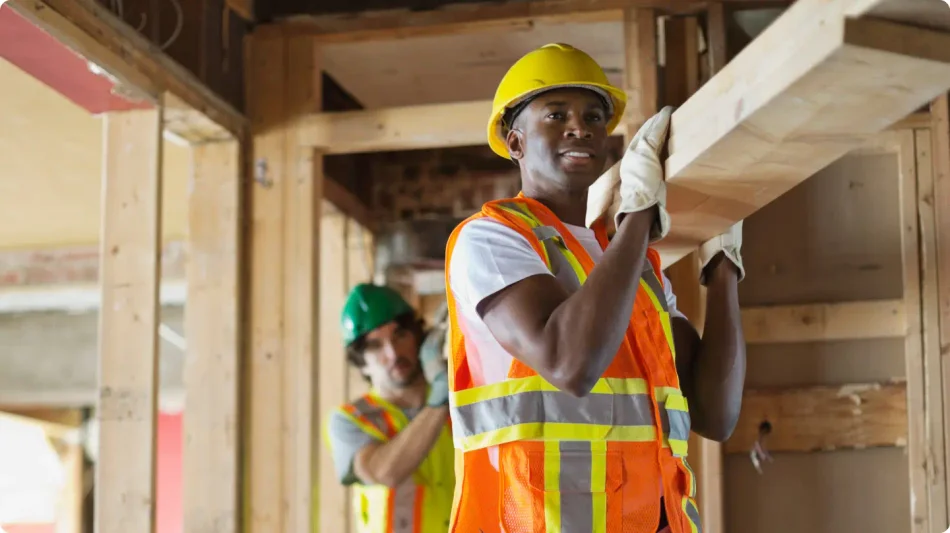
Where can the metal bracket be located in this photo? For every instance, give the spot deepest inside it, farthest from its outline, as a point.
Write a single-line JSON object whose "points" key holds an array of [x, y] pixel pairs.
{"points": [[759, 454], [260, 174]]}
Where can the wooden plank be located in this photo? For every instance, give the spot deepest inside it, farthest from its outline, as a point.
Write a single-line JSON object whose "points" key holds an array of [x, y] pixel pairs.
{"points": [[303, 190], [212, 321], [824, 322], [264, 462], [823, 418], [940, 137], [761, 125], [100, 36], [469, 18], [913, 349], [128, 321], [930, 321], [348, 203], [640, 73]]}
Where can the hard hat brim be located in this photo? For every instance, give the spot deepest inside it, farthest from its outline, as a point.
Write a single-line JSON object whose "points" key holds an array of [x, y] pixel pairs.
{"points": [[616, 98]]}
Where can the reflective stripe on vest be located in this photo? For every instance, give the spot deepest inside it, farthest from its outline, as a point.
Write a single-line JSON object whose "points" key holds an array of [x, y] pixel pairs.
{"points": [[616, 409], [401, 509]]}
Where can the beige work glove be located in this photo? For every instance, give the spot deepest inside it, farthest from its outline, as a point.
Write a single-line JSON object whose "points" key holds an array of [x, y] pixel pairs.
{"points": [[636, 182], [432, 357], [730, 243]]}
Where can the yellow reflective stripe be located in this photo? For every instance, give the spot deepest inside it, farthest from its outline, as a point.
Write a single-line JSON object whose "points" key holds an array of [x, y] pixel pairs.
{"points": [[533, 223], [668, 332], [688, 506], [663, 393], [653, 297], [598, 485], [538, 383], [692, 479], [365, 426], [676, 401], [552, 487], [547, 431], [527, 215], [679, 447]]}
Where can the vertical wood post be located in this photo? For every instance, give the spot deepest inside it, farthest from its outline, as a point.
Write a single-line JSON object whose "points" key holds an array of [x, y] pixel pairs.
{"points": [[128, 321], [283, 85], [940, 132], [212, 323]]}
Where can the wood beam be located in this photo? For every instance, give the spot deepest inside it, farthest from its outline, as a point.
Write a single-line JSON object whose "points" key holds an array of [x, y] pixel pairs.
{"points": [[128, 321], [212, 322], [283, 83], [244, 8], [475, 18], [823, 418], [930, 334], [195, 113], [918, 451], [824, 322], [940, 137]]}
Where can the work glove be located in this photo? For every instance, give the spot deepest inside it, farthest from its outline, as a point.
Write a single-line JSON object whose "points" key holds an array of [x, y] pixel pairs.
{"points": [[636, 182], [432, 357], [730, 244]]}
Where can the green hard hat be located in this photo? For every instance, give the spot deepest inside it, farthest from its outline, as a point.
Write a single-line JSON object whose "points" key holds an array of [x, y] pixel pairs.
{"points": [[369, 306]]}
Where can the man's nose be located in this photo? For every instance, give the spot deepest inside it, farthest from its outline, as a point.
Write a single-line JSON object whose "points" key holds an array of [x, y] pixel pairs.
{"points": [[577, 128]]}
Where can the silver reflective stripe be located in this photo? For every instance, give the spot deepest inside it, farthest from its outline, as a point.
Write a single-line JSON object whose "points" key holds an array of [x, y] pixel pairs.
{"points": [[679, 424], [545, 232], [693, 513], [650, 277], [577, 504], [404, 507], [551, 406]]}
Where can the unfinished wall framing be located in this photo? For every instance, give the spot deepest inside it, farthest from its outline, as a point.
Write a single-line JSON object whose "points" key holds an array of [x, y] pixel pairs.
{"points": [[840, 370]]}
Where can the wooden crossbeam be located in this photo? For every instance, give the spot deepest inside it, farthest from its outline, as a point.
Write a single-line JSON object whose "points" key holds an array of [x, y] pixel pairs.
{"points": [[823, 418], [193, 112], [476, 18], [824, 322]]}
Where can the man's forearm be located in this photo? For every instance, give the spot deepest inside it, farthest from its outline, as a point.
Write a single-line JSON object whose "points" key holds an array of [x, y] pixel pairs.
{"points": [[393, 462], [586, 330], [719, 366]]}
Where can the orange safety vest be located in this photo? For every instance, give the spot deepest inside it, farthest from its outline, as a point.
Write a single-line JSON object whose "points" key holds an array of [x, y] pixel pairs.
{"points": [[595, 464]]}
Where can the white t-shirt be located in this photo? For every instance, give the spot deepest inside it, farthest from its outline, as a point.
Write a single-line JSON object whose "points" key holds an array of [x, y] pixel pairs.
{"points": [[488, 257]]}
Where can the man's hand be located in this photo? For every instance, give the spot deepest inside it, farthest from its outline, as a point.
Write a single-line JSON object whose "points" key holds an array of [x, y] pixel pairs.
{"points": [[434, 366], [729, 244], [635, 183]]}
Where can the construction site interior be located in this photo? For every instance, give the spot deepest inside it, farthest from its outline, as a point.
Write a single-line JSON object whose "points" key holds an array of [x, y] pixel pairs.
{"points": [[190, 188]]}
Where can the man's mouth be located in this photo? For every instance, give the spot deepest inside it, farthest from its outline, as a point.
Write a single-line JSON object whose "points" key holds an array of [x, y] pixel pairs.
{"points": [[578, 156]]}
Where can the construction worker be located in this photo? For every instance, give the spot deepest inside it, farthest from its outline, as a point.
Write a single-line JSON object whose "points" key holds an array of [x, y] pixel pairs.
{"points": [[394, 445], [582, 381]]}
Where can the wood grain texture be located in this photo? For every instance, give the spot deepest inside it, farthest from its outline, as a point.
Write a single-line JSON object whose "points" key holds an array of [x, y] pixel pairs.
{"points": [[940, 138], [823, 418], [930, 334], [824, 322], [913, 343], [128, 321], [785, 108], [211, 486]]}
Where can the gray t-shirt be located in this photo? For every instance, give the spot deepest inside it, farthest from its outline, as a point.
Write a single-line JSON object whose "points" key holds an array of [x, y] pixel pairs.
{"points": [[346, 439]]}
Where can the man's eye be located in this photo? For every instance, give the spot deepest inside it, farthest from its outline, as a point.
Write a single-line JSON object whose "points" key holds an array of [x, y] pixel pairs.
{"points": [[556, 116]]}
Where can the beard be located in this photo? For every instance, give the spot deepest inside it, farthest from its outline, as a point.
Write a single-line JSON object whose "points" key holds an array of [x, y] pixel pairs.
{"points": [[409, 378]]}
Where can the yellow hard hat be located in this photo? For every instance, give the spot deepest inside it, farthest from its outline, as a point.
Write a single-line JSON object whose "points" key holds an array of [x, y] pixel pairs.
{"points": [[549, 67]]}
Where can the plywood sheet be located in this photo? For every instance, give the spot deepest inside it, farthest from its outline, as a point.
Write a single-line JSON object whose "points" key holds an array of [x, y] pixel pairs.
{"points": [[455, 68], [833, 492], [833, 238], [828, 363]]}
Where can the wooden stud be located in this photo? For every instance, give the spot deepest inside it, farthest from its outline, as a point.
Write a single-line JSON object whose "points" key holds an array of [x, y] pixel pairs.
{"points": [[823, 418], [824, 322], [348, 203], [940, 137], [913, 351], [212, 324], [640, 67], [716, 36], [128, 321], [286, 195], [930, 335]]}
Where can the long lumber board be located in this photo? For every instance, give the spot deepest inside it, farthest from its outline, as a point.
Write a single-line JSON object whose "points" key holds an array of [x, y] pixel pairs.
{"points": [[813, 86], [819, 82]]}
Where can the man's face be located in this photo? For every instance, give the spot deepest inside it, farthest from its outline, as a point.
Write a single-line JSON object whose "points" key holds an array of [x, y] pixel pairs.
{"points": [[562, 136], [392, 356]]}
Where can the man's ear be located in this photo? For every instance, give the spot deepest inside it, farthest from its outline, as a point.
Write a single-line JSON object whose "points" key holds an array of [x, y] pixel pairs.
{"points": [[515, 142]]}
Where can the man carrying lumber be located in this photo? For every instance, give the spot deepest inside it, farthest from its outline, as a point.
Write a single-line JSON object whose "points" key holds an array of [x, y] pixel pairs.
{"points": [[582, 381], [394, 443]]}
